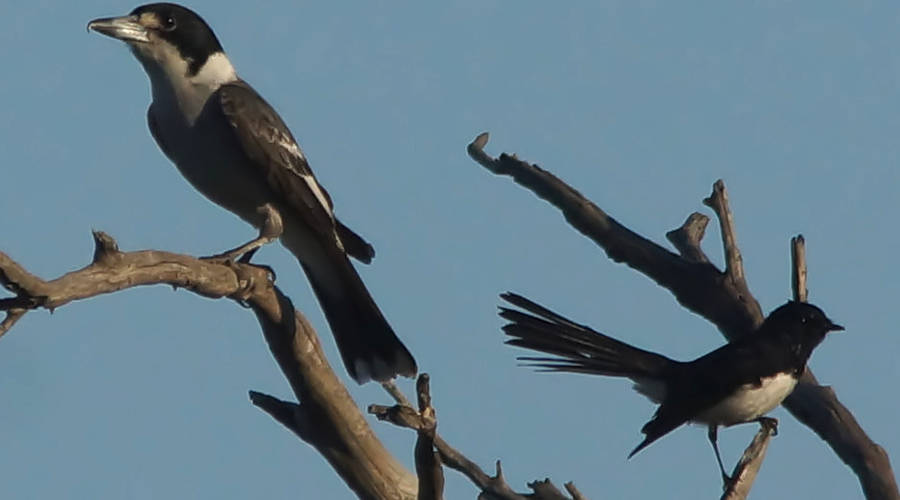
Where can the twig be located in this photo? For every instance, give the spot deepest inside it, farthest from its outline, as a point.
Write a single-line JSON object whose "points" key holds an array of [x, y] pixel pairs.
{"points": [[547, 490], [686, 238], [576, 495], [424, 422], [428, 462], [12, 315], [286, 413], [391, 387], [734, 263], [798, 268], [718, 201], [748, 466]]}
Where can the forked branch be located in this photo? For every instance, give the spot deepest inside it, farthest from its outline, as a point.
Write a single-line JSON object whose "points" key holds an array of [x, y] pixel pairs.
{"points": [[325, 415], [722, 297], [424, 422]]}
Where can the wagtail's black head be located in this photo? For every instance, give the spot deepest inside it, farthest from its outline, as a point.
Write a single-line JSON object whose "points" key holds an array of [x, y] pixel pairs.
{"points": [[160, 33], [804, 325]]}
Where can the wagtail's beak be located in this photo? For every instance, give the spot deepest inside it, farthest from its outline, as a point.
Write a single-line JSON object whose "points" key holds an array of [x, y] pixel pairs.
{"points": [[835, 328], [126, 28]]}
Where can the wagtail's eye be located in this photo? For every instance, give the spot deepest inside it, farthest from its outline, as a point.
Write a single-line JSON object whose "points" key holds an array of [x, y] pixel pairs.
{"points": [[168, 23]]}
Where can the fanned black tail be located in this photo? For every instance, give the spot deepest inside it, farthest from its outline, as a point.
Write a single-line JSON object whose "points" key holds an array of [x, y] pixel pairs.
{"points": [[577, 348]]}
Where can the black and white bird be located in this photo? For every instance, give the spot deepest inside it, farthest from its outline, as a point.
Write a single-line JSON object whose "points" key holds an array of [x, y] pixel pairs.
{"points": [[737, 383], [235, 149]]}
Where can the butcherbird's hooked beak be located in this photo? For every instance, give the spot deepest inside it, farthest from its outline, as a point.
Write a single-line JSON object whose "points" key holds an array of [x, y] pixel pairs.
{"points": [[126, 28]]}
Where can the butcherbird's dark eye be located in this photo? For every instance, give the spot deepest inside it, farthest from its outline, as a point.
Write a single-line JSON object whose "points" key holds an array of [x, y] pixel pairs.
{"points": [[168, 23]]}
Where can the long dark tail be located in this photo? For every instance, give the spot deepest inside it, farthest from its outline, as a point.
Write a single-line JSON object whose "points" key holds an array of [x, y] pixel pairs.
{"points": [[577, 348], [367, 343]]}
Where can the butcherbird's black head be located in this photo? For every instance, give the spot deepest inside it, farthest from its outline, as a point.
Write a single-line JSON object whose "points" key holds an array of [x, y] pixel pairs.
{"points": [[157, 29]]}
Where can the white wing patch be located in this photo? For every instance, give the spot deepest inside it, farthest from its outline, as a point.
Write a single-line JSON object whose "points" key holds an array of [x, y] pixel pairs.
{"points": [[318, 191], [294, 150]]}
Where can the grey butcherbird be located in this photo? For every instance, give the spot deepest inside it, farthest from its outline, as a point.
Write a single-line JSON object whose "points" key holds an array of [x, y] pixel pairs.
{"points": [[235, 149], [736, 383]]}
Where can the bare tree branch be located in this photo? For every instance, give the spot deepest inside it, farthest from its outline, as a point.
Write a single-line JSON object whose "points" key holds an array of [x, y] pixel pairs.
{"points": [[698, 286], [718, 201], [428, 461], [798, 268], [576, 495], [12, 316], [391, 387], [546, 490], [325, 417], [721, 297], [748, 466], [285, 413], [422, 421], [686, 239]]}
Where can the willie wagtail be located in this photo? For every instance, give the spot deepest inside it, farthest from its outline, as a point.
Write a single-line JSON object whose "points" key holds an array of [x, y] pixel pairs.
{"points": [[736, 383], [235, 149]]}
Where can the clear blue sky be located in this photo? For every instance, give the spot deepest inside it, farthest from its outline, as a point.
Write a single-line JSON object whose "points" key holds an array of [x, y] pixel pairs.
{"points": [[640, 105]]}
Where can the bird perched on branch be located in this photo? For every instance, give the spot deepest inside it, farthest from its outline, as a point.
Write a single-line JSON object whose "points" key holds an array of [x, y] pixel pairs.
{"points": [[234, 148], [737, 383]]}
